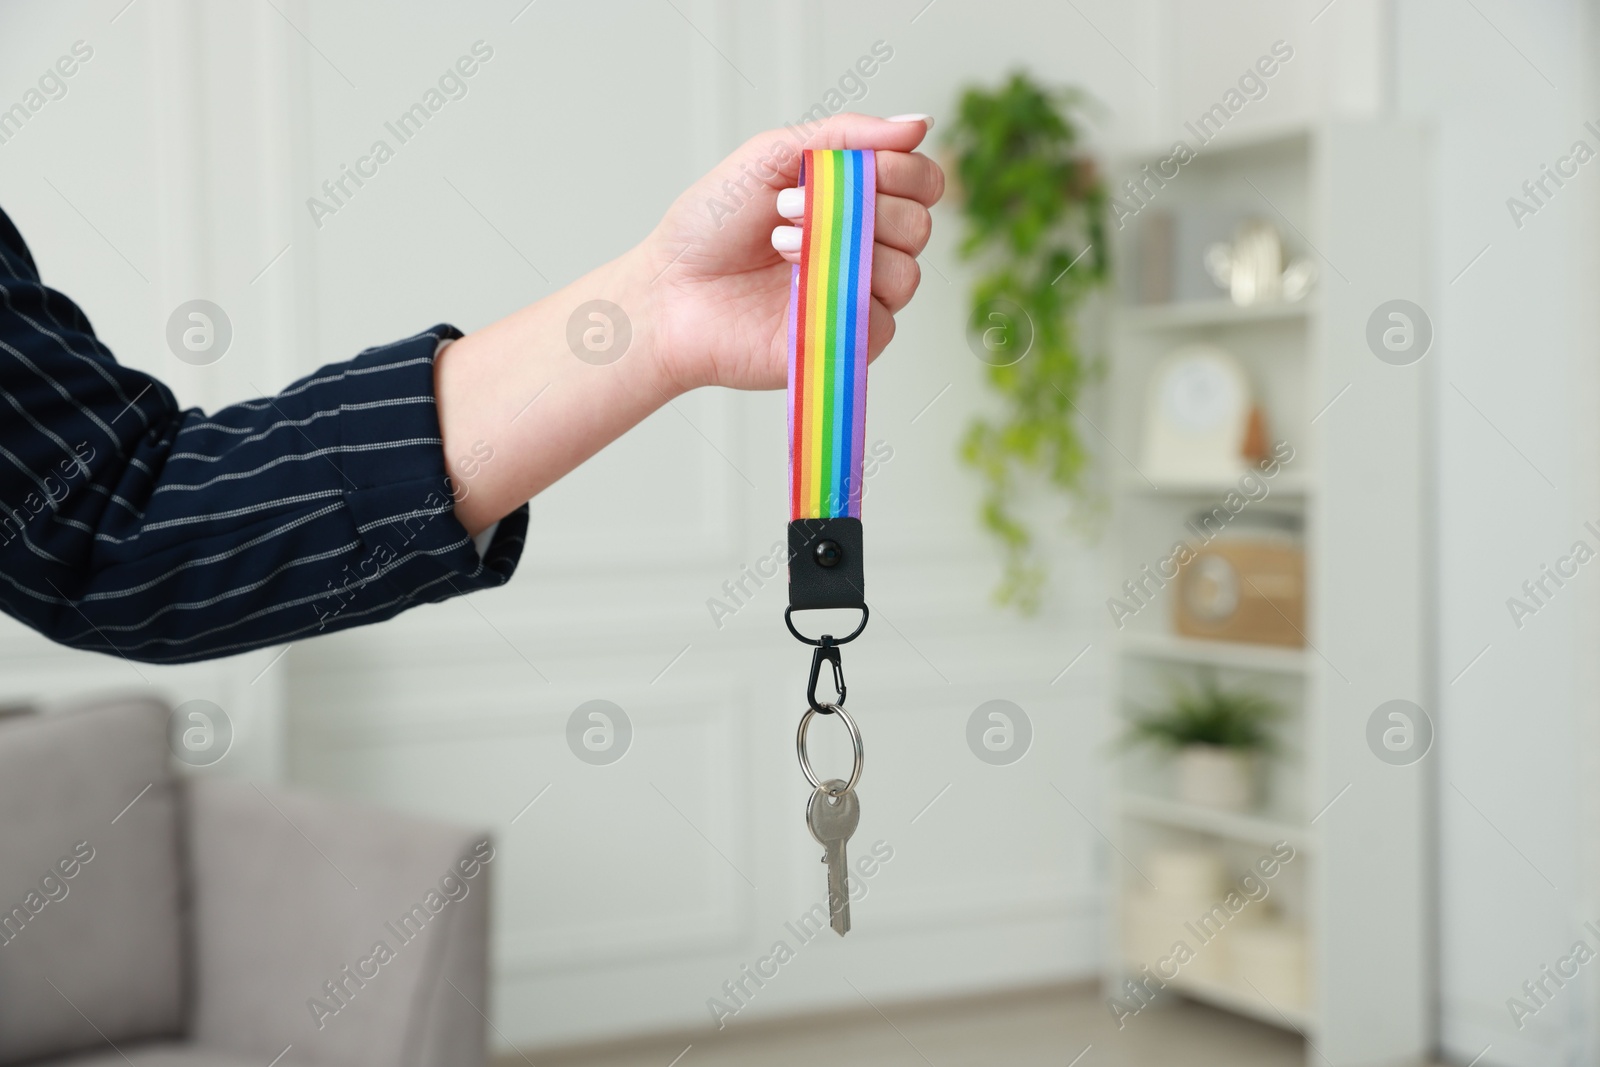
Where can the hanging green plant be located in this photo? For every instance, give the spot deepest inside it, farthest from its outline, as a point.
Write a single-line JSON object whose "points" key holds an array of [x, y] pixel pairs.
{"points": [[1035, 209]]}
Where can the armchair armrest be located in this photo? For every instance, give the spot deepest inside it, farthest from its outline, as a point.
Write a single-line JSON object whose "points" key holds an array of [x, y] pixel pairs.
{"points": [[356, 935]]}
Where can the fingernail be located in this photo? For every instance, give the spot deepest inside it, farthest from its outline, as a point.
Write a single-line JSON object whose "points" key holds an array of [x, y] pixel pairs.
{"points": [[786, 238], [913, 118], [791, 203]]}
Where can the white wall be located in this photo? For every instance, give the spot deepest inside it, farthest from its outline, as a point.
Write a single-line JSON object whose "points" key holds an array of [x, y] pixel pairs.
{"points": [[155, 179], [1509, 88], [1339, 70]]}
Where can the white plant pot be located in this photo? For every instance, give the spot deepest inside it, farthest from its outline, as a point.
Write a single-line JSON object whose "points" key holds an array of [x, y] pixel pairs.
{"points": [[1216, 777]]}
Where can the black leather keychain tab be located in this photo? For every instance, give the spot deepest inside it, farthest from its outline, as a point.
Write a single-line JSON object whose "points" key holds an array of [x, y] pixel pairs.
{"points": [[825, 566]]}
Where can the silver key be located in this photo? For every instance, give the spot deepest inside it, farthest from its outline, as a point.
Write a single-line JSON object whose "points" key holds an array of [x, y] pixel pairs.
{"points": [[832, 820]]}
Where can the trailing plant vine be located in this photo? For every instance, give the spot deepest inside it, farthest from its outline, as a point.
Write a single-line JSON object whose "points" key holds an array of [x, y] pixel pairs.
{"points": [[1035, 209]]}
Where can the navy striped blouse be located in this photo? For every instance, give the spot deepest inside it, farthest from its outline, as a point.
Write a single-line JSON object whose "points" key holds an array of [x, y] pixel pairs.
{"points": [[134, 528]]}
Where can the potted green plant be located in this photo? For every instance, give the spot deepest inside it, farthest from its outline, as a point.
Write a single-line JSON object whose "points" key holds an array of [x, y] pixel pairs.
{"points": [[1035, 208], [1217, 736]]}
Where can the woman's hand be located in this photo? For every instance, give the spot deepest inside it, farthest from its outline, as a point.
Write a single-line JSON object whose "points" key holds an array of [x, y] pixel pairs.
{"points": [[720, 296], [707, 300]]}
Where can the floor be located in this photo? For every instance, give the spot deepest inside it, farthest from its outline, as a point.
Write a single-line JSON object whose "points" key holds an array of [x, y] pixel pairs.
{"points": [[1060, 1026]]}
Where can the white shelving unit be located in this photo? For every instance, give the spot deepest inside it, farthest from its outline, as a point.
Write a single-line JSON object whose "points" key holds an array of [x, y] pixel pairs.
{"points": [[1189, 314], [1230, 999], [1228, 826], [1169, 647], [1359, 827], [1287, 483]]}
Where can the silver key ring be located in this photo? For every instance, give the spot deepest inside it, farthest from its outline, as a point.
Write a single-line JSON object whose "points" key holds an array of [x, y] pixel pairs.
{"points": [[855, 740]]}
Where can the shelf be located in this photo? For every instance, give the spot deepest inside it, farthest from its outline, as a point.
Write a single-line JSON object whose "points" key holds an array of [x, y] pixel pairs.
{"points": [[1284, 482], [1192, 313], [1283, 1016], [1251, 829], [1276, 137], [1235, 654]]}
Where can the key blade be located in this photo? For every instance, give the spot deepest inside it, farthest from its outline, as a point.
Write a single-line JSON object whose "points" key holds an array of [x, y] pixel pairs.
{"points": [[838, 888]]}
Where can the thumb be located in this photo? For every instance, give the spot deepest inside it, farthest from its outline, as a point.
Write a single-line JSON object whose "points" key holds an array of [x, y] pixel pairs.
{"points": [[850, 130]]}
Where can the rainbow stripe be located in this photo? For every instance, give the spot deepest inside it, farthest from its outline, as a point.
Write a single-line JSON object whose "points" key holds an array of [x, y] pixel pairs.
{"points": [[828, 304]]}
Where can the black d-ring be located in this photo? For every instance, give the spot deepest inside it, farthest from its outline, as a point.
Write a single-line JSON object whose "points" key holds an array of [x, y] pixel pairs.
{"points": [[788, 621]]}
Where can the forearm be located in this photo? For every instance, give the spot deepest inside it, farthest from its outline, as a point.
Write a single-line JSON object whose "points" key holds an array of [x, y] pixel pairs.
{"points": [[517, 388]]}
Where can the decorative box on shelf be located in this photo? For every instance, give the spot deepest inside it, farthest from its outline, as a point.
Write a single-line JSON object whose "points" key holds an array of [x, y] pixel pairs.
{"points": [[1248, 583]]}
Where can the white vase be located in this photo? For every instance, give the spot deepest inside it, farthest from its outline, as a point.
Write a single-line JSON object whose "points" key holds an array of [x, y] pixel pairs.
{"points": [[1216, 777]]}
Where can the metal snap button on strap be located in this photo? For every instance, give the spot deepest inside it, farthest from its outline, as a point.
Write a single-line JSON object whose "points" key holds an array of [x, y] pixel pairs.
{"points": [[859, 760]]}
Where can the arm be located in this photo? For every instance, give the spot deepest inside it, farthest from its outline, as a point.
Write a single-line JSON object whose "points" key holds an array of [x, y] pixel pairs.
{"points": [[131, 527]]}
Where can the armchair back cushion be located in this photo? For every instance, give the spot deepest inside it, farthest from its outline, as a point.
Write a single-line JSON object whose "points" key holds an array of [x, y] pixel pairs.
{"points": [[91, 890], [357, 935]]}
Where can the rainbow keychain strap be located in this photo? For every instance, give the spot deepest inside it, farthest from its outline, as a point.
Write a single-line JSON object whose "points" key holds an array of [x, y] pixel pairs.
{"points": [[829, 299]]}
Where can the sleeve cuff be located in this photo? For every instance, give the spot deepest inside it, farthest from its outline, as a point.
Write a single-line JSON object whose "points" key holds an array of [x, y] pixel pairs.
{"points": [[395, 484]]}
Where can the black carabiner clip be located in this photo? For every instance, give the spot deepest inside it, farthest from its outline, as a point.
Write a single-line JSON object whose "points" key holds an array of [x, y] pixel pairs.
{"points": [[825, 650]]}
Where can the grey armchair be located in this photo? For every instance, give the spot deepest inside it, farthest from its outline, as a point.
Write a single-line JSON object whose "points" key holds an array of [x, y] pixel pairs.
{"points": [[158, 920]]}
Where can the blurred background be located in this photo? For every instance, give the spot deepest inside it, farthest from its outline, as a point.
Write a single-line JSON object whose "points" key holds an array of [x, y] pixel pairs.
{"points": [[1270, 738]]}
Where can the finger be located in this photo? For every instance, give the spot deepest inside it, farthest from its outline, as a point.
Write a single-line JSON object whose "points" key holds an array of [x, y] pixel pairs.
{"points": [[906, 224], [903, 224], [910, 175], [895, 276], [880, 329]]}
